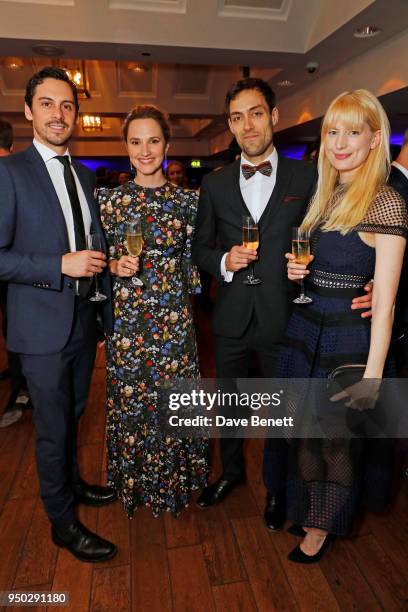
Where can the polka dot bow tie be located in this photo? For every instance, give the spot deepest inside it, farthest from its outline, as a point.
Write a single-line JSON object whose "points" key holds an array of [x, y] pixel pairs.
{"points": [[264, 168]]}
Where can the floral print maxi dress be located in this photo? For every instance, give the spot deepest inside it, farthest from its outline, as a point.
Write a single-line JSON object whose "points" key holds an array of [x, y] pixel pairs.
{"points": [[153, 340]]}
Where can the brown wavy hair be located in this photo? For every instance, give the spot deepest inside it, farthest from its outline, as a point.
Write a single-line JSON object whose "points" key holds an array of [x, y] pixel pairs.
{"points": [[147, 111]]}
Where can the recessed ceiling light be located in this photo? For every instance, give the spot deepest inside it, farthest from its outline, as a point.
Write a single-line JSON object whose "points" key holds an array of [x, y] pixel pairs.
{"points": [[48, 50], [285, 83], [367, 32]]}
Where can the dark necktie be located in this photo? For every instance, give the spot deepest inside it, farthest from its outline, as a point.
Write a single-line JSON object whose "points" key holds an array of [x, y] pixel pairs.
{"points": [[264, 168], [79, 228]]}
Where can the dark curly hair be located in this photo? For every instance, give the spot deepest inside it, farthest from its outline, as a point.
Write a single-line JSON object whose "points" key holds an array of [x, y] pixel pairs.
{"points": [[262, 86]]}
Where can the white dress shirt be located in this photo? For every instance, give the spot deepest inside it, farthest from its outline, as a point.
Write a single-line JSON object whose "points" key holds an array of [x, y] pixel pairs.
{"points": [[56, 171], [256, 192], [401, 168]]}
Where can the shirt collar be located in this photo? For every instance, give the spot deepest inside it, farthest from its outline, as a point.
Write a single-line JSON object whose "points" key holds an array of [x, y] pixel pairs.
{"points": [[47, 153], [273, 158]]}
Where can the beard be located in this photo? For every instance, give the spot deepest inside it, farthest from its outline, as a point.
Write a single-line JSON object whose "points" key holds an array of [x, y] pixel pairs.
{"points": [[59, 142], [47, 136], [58, 139], [257, 149]]}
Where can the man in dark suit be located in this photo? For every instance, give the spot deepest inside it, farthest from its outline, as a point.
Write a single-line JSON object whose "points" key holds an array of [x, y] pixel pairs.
{"points": [[47, 209], [274, 191], [399, 181]]}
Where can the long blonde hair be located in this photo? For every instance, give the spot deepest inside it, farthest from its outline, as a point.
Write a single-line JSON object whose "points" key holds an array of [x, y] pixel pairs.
{"points": [[354, 108]]}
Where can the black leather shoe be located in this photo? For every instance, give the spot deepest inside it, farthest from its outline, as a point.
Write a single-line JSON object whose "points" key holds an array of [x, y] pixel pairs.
{"points": [[82, 543], [275, 511], [298, 556], [92, 495], [216, 492]]}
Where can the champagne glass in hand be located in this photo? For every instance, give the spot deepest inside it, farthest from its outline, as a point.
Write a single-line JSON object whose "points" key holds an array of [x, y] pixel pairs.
{"points": [[134, 243], [250, 240], [301, 250], [95, 243]]}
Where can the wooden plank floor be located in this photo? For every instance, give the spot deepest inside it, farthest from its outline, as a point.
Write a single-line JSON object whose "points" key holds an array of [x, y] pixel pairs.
{"points": [[220, 559]]}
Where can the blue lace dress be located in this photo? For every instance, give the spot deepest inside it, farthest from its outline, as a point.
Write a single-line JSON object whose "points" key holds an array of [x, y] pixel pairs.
{"points": [[327, 477], [153, 341]]}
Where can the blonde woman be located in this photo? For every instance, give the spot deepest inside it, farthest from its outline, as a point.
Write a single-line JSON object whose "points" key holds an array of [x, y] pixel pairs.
{"points": [[358, 228]]}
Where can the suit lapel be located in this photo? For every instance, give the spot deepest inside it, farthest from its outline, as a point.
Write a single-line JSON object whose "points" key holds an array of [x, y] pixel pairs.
{"points": [[39, 176], [283, 176]]}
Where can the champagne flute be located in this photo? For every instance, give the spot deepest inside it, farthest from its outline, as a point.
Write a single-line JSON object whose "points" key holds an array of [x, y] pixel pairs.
{"points": [[134, 243], [250, 240], [94, 242], [301, 250]]}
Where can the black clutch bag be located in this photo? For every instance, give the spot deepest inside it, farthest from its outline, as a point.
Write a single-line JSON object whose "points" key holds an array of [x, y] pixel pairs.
{"points": [[359, 423], [344, 376]]}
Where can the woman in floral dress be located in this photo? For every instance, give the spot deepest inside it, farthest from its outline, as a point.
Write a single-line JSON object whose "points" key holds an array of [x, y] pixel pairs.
{"points": [[153, 337]]}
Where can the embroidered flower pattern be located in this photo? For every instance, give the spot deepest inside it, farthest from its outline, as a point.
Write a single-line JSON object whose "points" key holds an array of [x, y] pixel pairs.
{"points": [[153, 341]]}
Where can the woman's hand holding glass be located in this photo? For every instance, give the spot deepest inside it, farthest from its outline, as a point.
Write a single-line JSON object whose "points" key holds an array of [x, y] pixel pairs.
{"points": [[296, 271], [125, 267]]}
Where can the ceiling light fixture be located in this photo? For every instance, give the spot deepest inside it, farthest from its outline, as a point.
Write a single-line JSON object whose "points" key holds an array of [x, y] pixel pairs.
{"points": [[13, 63], [285, 83], [136, 67], [76, 71], [91, 123], [48, 50], [367, 32]]}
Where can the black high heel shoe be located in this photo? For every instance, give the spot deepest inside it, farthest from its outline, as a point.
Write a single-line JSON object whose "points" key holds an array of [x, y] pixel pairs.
{"points": [[298, 556]]}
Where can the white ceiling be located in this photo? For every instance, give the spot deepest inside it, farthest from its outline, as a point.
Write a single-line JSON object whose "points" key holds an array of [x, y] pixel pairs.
{"points": [[196, 49]]}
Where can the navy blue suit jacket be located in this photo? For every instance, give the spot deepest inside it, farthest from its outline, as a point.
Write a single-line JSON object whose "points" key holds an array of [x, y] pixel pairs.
{"points": [[33, 238]]}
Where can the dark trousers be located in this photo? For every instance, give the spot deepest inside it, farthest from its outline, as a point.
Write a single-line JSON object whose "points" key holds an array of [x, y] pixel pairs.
{"points": [[58, 386], [400, 352], [233, 360]]}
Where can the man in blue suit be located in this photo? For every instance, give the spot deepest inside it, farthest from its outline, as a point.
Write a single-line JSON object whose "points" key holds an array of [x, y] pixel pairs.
{"points": [[47, 210]]}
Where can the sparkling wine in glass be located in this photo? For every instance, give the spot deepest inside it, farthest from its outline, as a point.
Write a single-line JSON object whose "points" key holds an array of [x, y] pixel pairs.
{"points": [[250, 240], [301, 250], [95, 243], [134, 243]]}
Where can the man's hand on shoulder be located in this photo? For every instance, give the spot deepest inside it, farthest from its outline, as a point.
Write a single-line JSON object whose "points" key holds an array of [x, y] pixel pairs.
{"points": [[239, 257], [83, 263]]}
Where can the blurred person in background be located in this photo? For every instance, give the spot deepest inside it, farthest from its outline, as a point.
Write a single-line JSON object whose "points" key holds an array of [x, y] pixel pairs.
{"points": [[176, 174], [19, 398]]}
